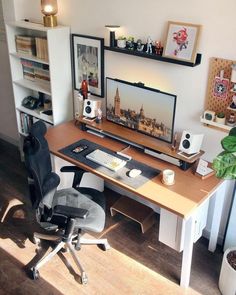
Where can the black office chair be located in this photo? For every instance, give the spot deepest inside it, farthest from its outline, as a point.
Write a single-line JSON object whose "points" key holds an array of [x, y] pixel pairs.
{"points": [[66, 212]]}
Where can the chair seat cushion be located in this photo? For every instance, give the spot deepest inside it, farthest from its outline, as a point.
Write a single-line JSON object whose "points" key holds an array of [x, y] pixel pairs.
{"points": [[94, 221]]}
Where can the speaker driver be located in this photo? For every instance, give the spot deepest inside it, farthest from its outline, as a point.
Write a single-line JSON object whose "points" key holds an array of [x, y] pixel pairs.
{"points": [[186, 143]]}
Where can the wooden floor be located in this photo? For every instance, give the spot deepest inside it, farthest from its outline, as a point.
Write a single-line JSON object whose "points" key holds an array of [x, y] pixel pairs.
{"points": [[136, 264]]}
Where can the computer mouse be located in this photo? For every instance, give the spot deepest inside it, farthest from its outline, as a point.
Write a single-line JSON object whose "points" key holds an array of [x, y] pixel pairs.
{"points": [[134, 173]]}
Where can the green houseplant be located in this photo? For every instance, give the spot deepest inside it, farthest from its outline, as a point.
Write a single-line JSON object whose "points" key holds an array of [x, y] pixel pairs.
{"points": [[225, 166], [121, 42], [220, 118]]}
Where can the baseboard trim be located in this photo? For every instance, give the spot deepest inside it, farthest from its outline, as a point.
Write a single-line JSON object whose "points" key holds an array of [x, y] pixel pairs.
{"points": [[9, 139]]}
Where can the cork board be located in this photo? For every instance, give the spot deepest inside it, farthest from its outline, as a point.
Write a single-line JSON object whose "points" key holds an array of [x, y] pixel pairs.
{"points": [[215, 101]]}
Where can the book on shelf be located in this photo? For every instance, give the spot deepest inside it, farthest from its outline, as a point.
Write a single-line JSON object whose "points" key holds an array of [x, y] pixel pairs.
{"points": [[26, 122], [25, 44], [41, 48], [35, 71]]}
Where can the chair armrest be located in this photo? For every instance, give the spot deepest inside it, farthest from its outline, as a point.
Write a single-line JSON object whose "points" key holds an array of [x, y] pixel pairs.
{"points": [[71, 169], [78, 174], [70, 212]]}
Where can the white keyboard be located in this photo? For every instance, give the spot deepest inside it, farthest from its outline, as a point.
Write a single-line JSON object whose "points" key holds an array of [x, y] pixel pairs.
{"points": [[111, 162]]}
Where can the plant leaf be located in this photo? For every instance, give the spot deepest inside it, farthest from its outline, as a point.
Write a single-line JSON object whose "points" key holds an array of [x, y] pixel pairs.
{"points": [[225, 165], [229, 143], [232, 131]]}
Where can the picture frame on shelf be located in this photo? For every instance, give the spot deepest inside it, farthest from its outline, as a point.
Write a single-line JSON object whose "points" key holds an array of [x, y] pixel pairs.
{"points": [[181, 41], [88, 62]]}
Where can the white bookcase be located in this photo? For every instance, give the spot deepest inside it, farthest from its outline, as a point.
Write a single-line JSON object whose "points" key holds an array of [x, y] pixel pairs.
{"points": [[59, 89]]}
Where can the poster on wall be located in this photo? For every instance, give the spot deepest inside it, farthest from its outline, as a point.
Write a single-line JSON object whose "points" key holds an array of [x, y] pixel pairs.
{"points": [[88, 63], [181, 41], [221, 86]]}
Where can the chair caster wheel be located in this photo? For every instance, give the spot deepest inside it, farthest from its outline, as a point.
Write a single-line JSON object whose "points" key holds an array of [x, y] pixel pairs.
{"points": [[104, 247], [84, 279], [34, 274]]}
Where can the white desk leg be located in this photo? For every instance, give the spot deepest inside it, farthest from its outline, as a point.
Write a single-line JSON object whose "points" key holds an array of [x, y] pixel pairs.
{"points": [[217, 205], [187, 252]]}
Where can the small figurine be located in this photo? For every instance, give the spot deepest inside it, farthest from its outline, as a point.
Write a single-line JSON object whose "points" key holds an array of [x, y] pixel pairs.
{"points": [[231, 121], [233, 104], [158, 48], [99, 116], [149, 45], [84, 89], [139, 45], [130, 43]]}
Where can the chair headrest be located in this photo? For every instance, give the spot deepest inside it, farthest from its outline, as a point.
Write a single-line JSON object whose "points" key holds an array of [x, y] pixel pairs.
{"points": [[38, 129]]}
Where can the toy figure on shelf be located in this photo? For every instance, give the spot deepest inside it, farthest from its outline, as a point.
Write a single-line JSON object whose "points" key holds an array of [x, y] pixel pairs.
{"points": [[84, 89], [158, 48], [149, 45], [99, 115], [139, 45], [231, 121], [233, 104], [130, 43]]}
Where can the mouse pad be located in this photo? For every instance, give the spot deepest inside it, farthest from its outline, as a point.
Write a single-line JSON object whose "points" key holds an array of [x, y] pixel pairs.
{"points": [[81, 148]]}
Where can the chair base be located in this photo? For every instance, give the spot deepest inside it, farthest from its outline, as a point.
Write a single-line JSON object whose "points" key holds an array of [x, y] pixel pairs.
{"points": [[68, 245]]}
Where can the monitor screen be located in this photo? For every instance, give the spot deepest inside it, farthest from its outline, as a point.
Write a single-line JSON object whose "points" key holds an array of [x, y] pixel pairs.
{"points": [[141, 108]]}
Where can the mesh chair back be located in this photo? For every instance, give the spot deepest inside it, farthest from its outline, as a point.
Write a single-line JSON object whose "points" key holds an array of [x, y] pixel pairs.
{"points": [[38, 164]]}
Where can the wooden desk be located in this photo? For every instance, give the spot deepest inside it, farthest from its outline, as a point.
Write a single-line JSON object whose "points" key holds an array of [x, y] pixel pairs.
{"points": [[182, 199]]}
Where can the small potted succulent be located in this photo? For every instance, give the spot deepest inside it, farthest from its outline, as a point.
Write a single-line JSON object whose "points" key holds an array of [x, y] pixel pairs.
{"points": [[220, 118], [121, 42]]}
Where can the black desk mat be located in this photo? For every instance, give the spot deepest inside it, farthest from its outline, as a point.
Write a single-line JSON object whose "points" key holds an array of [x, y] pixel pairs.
{"points": [[120, 175]]}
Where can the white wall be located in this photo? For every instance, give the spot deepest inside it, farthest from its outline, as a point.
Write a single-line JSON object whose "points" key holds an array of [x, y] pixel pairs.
{"points": [[143, 18], [8, 129]]}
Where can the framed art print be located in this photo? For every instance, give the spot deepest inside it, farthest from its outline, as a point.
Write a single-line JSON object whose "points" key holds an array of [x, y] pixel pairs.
{"points": [[88, 62], [181, 41]]}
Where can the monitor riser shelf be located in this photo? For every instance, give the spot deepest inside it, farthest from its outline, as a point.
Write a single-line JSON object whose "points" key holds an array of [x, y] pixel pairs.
{"points": [[139, 140]]}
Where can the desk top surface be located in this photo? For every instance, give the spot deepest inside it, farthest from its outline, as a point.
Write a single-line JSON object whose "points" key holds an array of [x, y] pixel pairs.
{"points": [[182, 198]]}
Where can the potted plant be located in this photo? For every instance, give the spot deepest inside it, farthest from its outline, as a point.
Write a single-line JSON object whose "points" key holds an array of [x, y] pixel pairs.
{"points": [[225, 166], [220, 118], [121, 42]]}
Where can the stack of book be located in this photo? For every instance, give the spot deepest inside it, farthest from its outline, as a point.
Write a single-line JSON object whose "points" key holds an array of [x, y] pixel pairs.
{"points": [[28, 69], [26, 122], [41, 48], [35, 71], [41, 72], [25, 44]]}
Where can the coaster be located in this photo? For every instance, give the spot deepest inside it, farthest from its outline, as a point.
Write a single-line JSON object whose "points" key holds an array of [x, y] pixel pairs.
{"points": [[167, 183]]}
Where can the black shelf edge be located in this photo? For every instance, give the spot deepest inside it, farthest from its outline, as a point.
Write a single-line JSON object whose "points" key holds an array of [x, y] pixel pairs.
{"points": [[156, 57]]}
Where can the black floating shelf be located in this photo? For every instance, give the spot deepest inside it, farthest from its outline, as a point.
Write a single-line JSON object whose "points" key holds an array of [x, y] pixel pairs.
{"points": [[156, 57]]}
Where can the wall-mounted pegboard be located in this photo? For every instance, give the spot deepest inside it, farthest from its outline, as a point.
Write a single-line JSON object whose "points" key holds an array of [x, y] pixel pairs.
{"points": [[219, 95]]}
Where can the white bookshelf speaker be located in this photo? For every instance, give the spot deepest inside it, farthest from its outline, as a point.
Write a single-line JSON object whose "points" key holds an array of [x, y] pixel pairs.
{"points": [[90, 107], [190, 143]]}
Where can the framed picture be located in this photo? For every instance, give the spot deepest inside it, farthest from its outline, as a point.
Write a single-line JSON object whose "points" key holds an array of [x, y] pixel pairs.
{"points": [[181, 41], [88, 62]]}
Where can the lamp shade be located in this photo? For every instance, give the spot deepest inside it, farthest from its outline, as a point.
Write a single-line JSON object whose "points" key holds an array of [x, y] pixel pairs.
{"points": [[49, 9]]}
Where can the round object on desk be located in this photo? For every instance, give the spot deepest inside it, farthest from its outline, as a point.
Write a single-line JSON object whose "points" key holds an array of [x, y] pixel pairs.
{"points": [[134, 173]]}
